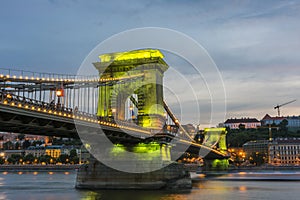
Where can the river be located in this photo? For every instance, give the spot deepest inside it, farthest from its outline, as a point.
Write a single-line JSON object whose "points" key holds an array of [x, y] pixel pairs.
{"points": [[60, 185]]}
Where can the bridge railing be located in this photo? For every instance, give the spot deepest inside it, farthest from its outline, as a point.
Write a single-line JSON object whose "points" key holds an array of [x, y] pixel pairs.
{"points": [[7, 98], [23, 73]]}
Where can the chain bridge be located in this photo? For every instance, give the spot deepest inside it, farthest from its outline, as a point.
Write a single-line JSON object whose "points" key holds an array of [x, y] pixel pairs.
{"points": [[125, 100]]}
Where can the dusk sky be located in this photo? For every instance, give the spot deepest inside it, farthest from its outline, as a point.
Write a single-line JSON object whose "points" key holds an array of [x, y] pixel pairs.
{"points": [[255, 44]]}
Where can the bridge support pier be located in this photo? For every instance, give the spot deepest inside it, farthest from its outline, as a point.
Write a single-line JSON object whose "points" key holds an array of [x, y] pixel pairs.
{"points": [[215, 164], [151, 168], [96, 175]]}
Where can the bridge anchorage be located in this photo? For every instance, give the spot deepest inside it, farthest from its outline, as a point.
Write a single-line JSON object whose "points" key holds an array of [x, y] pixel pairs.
{"points": [[121, 117]]}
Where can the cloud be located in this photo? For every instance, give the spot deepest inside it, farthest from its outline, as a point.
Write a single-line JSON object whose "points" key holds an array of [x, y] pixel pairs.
{"points": [[255, 45]]}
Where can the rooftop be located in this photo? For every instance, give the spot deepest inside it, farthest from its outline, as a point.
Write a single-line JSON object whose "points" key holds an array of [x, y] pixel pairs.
{"points": [[241, 120]]}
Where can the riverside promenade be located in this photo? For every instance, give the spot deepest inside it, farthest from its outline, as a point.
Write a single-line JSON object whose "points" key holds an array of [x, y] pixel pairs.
{"points": [[38, 167]]}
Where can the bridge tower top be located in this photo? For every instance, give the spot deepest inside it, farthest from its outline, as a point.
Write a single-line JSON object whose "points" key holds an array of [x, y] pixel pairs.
{"points": [[143, 70]]}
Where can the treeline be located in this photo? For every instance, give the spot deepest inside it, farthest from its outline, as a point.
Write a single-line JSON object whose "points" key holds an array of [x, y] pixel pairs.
{"points": [[238, 137], [44, 159], [24, 144]]}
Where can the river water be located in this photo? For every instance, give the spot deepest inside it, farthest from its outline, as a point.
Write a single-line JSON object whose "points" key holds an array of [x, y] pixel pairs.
{"points": [[60, 185]]}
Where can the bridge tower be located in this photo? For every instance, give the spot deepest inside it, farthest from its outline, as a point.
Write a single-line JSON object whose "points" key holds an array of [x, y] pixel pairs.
{"points": [[136, 75], [216, 137]]}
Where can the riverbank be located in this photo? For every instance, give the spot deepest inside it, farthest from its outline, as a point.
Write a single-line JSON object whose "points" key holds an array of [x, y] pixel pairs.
{"points": [[38, 167]]}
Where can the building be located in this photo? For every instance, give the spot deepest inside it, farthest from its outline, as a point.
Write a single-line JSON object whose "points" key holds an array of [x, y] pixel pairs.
{"points": [[35, 151], [257, 146], [293, 121], [8, 153], [54, 151], [284, 151], [83, 155], [267, 120], [247, 122]]}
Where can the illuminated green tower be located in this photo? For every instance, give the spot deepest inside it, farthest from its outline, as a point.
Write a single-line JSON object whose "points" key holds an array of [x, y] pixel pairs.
{"points": [[136, 75]]}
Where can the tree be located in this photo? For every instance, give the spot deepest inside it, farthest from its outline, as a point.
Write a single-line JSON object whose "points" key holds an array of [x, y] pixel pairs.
{"points": [[283, 126], [2, 161], [17, 145], [21, 136], [15, 158], [257, 158], [74, 160], [29, 158], [11, 160], [8, 145], [73, 153], [242, 127], [63, 158], [26, 144], [45, 158]]}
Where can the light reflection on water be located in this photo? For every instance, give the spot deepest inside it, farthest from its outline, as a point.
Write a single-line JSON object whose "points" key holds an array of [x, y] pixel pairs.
{"points": [[60, 185]]}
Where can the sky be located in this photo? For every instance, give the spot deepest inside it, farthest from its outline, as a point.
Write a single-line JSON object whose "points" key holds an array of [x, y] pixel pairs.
{"points": [[254, 44]]}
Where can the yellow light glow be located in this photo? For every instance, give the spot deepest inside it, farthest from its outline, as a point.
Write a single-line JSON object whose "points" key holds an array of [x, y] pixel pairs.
{"points": [[129, 55], [59, 93]]}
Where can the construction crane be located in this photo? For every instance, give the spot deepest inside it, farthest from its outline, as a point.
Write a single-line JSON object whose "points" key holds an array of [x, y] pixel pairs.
{"points": [[278, 106]]}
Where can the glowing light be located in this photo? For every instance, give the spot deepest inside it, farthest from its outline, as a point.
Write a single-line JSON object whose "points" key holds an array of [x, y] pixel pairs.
{"points": [[59, 92], [136, 54]]}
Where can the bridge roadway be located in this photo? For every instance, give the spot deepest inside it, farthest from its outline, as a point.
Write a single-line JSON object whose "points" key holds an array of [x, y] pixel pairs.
{"points": [[23, 115]]}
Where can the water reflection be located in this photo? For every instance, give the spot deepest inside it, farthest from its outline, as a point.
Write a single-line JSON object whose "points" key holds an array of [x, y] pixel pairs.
{"points": [[136, 195], [60, 185]]}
